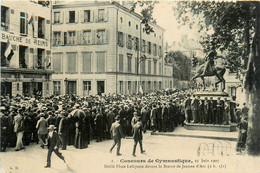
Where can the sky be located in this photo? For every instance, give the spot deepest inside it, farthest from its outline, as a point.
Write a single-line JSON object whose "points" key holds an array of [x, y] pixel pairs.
{"points": [[165, 18]]}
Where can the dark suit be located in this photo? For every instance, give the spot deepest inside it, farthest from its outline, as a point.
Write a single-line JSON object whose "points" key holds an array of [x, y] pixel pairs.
{"points": [[195, 110], [187, 108], [53, 142], [137, 136], [63, 125], [117, 133]]}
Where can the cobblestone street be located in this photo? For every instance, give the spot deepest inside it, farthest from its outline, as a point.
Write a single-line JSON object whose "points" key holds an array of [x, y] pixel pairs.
{"points": [[96, 158]]}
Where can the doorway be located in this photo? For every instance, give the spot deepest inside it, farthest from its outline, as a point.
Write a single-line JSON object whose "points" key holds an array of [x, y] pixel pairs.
{"points": [[100, 87], [6, 88], [31, 89], [72, 87]]}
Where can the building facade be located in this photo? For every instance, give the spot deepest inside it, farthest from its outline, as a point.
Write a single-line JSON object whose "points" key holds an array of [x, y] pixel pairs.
{"points": [[25, 49], [102, 47]]}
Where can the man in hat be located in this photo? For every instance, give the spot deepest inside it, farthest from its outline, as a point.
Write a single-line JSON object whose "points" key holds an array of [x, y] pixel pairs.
{"points": [[187, 108], [4, 129], [63, 126], [19, 129], [53, 142], [195, 109], [42, 129], [110, 117], [137, 136], [117, 133], [153, 118]]}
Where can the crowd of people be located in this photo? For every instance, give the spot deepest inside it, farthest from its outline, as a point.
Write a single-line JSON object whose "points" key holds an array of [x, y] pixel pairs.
{"points": [[80, 120]]}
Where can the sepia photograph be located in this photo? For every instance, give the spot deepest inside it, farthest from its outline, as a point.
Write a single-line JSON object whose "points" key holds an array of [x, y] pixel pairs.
{"points": [[149, 86]]}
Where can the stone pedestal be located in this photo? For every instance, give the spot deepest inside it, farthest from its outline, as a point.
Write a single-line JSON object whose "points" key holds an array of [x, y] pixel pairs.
{"points": [[211, 127], [211, 94]]}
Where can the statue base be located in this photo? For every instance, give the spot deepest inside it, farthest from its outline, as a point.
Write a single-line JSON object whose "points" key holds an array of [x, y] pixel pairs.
{"points": [[211, 94], [211, 127]]}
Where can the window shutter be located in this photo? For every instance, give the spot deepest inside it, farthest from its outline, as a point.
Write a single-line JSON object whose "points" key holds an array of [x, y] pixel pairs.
{"points": [[67, 17], [126, 40], [52, 17], [35, 34], [106, 15], [93, 36], [31, 57], [107, 36], [92, 13], [62, 38], [78, 37], [27, 21], [81, 16], [76, 16], [123, 39], [11, 18], [96, 15], [61, 16], [47, 29], [35, 59]]}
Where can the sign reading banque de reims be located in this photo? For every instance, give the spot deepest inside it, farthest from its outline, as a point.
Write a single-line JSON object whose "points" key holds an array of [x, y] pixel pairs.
{"points": [[23, 40]]}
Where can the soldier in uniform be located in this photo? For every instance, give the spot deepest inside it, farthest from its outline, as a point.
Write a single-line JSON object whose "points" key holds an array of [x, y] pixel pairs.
{"points": [[206, 110], [187, 108], [212, 110], [219, 114], [153, 118], [164, 117], [226, 112], [159, 117], [195, 109], [233, 109], [201, 111]]}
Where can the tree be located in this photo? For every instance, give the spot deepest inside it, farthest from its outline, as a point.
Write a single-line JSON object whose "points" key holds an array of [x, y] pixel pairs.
{"points": [[252, 84], [181, 65], [235, 23], [232, 25], [146, 12]]}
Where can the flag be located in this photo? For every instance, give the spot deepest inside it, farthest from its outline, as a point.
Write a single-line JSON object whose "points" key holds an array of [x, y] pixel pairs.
{"points": [[141, 89], [31, 21], [48, 62], [9, 51]]}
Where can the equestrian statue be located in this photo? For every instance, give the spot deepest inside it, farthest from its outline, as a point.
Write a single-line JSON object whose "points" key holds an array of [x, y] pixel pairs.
{"points": [[208, 68]]}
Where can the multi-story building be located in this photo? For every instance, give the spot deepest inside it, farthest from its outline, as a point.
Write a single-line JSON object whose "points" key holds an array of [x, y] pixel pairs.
{"points": [[102, 47], [25, 48]]}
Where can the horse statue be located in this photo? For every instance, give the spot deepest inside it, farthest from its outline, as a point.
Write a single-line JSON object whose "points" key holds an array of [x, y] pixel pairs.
{"points": [[208, 69]]}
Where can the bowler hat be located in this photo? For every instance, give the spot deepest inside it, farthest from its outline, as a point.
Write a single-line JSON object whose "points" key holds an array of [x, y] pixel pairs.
{"points": [[51, 127]]}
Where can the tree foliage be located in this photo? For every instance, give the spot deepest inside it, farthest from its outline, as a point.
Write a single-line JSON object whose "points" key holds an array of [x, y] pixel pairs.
{"points": [[232, 25], [147, 13], [181, 64]]}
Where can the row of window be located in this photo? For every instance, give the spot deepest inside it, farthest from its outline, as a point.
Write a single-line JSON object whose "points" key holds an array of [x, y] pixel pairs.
{"points": [[80, 16], [28, 57], [87, 62], [133, 42], [136, 27], [142, 63], [85, 37], [127, 87], [35, 24]]}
